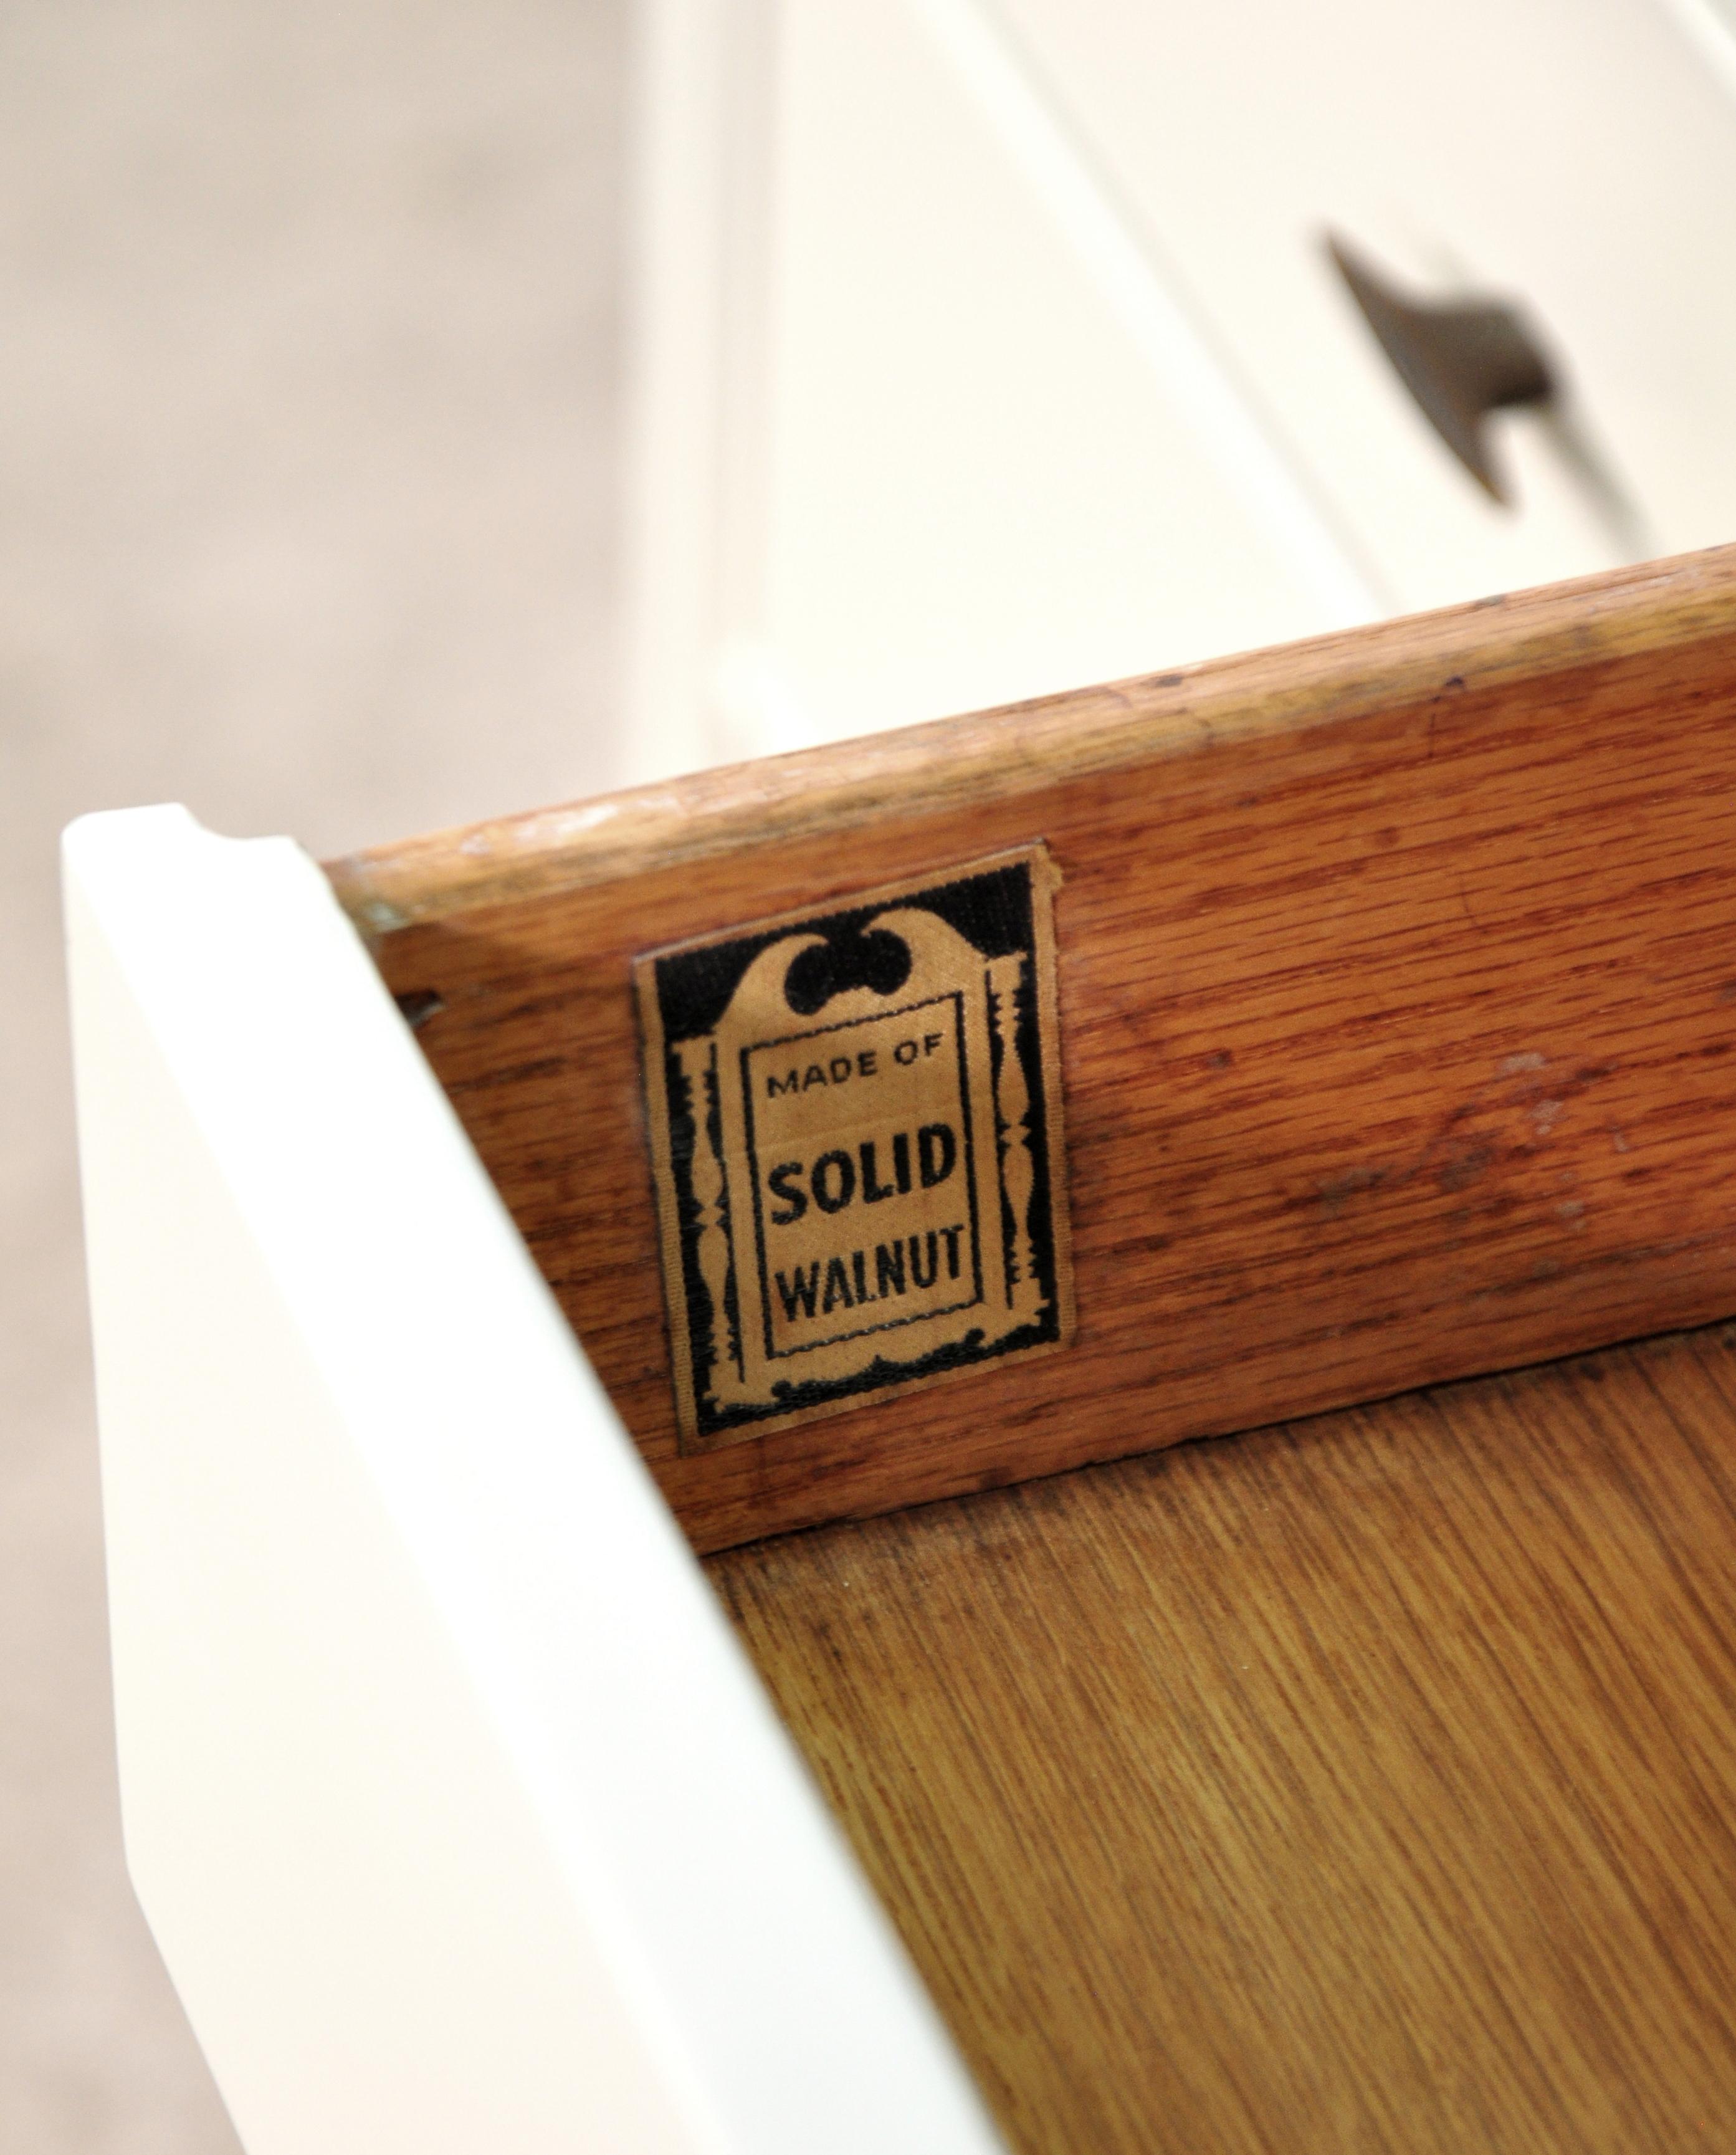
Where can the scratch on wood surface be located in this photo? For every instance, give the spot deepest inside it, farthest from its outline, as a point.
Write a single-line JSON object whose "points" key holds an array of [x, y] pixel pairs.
{"points": [[1337, 1191]]}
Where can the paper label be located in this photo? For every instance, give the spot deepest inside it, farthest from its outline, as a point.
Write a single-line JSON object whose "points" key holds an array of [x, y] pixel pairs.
{"points": [[855, 1120]]}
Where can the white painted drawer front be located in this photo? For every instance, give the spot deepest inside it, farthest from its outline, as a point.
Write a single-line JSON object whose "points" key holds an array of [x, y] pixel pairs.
{"points": [[1005, 353], [1579, 155], [997, 463]]}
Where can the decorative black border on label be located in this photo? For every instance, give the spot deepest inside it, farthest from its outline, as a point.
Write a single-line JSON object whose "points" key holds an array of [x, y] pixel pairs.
{"points": [[708, 1180]]}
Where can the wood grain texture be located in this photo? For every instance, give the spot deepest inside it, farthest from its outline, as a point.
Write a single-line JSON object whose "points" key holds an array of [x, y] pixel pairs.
{"points": [[1397, 995], [1370, 1784]]}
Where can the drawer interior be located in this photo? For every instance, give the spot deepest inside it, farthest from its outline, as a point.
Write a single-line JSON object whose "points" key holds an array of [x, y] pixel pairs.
{"points": [[1364, 1783], [1364, 1780]]}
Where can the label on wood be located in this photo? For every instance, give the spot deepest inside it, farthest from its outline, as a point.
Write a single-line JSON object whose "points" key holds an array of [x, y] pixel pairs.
{"points": [[856, 1138]]}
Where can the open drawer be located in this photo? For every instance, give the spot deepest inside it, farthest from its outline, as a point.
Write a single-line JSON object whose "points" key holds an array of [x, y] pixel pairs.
{"points": [[908, 1131]]}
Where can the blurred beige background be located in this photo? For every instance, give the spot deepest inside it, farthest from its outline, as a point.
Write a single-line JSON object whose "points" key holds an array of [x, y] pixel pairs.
{"points": [[309, 348]]}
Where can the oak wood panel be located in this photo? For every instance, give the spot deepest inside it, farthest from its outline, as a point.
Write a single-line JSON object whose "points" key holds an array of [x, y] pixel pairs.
{"points": [[1364, 1784], [1397, 994]]}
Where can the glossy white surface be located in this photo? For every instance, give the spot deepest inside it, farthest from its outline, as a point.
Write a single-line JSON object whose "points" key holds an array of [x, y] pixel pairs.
{"points": [[1001, 461], [1579, 156], [1013, 358], [458, 1815]]}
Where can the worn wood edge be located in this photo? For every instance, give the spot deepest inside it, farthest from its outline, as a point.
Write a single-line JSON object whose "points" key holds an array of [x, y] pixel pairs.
{"points": [[1022, 748]]}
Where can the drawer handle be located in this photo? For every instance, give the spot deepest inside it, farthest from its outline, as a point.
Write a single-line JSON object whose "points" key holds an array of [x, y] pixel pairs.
{"points": [[1460, 360]]}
